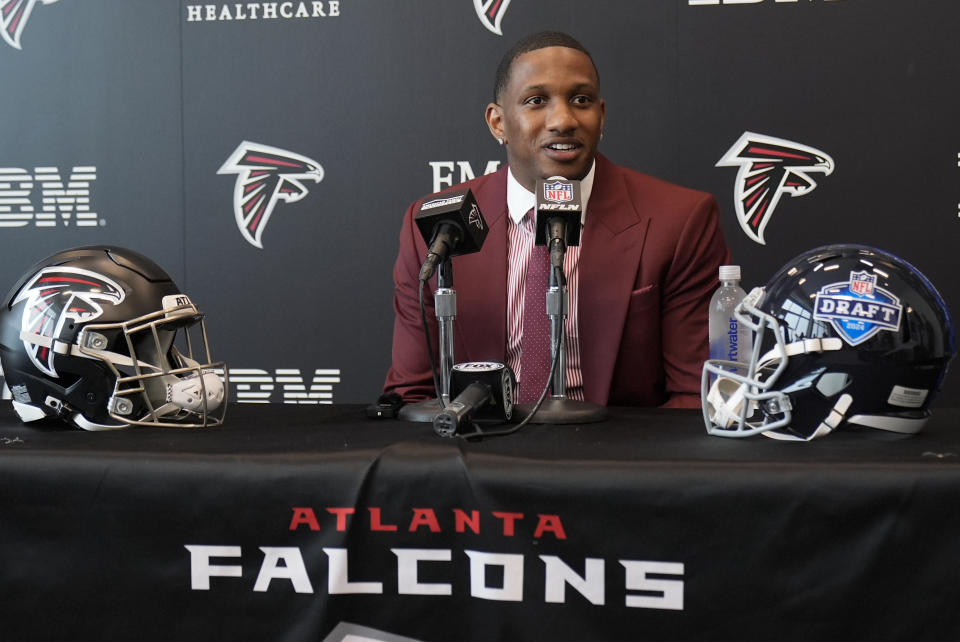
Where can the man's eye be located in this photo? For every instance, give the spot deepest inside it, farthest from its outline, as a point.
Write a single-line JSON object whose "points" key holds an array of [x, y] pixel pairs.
{"points": [[535, 100], [582, 100]]}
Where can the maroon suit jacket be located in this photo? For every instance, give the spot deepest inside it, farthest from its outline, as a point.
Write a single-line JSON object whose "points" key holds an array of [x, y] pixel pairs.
{"points": [[648, 267]]}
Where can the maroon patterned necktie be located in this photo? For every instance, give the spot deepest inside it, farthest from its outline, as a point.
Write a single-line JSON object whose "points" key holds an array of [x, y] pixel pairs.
{"points": [[535, 343]]}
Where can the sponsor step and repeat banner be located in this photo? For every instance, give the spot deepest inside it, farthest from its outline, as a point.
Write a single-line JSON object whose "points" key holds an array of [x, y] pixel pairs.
{"points": [[264, 152]]}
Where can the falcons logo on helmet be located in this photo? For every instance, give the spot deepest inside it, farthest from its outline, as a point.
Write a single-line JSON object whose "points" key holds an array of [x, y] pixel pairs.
{"points": [[769, 168], [491, 13], [13, 18], [265, 175], [54, 296]]}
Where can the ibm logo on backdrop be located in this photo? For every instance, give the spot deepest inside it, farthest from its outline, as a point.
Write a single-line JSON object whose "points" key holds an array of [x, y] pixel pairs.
{"points": [[443, 172], [43, 198], [283, 385], [286, 385]]}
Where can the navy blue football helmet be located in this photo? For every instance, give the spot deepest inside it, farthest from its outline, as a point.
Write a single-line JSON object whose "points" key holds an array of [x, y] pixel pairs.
{"points": [[844, 335]]}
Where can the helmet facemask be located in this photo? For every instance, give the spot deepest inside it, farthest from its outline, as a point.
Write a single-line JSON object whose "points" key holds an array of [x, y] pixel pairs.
{"points": [[736, 397], [743, 401], [162, 367]]}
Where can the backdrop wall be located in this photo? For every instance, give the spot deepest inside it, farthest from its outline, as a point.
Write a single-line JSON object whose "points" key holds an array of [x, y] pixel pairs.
{"points": [[127, 122]]}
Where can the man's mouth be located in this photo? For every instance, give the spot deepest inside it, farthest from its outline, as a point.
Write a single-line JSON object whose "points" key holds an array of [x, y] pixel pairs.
{"points": [[563, 147]]}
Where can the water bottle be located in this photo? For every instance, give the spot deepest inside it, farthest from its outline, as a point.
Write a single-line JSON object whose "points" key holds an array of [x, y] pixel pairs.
{"points": [[729, 341]]}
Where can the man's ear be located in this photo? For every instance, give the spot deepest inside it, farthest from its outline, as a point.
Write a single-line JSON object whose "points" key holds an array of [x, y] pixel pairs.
{"points": [[494, 118]]}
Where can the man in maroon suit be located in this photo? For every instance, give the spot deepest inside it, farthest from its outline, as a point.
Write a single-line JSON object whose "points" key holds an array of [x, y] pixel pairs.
{"points": [[640, 282]]}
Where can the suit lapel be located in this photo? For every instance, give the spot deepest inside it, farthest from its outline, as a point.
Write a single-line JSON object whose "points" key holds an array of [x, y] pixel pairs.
{"points": [[608, 271], [609, 262]]}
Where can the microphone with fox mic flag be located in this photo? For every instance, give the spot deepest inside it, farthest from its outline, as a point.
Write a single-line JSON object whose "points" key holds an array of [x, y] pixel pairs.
{"points": [[484, 392], [451, 225], [559, 216]]}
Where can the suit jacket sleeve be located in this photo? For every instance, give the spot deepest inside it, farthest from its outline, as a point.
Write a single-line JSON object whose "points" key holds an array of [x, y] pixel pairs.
{"points": [[690, 281], [410, 374]]}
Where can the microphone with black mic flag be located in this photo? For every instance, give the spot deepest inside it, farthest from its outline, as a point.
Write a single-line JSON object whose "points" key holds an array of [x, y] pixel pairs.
{"points": [[451, 225], [559, 216], [482, 391]]}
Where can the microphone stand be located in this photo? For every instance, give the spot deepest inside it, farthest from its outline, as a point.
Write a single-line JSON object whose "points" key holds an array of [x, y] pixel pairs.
{"points": [[557, 408], [445, 307]]}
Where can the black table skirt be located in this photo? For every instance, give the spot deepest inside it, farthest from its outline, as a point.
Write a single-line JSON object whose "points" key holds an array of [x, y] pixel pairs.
{"points": [[309, 523]]}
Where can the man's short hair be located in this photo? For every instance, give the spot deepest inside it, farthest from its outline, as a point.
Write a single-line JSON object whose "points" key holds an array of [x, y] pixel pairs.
{"points": [[540, 40]]}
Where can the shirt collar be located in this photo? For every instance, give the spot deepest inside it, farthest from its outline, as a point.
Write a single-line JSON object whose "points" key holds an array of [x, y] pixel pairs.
{"points": [[520, 200]]}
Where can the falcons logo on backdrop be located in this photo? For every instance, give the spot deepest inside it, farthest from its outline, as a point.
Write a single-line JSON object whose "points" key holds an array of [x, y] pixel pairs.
{"points": [[13, 18], [265, 175], [491, 13], [53, 297], [769, 168]]}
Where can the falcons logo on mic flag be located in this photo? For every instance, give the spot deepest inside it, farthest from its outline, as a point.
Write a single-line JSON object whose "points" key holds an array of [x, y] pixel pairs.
{"points": [[265, 175], [54, 296], [769, 168], [13, 18], [491, 13]]}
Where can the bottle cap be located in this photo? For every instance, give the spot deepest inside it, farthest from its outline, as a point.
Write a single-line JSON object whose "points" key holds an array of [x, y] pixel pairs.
{"points": [[729, 272]]}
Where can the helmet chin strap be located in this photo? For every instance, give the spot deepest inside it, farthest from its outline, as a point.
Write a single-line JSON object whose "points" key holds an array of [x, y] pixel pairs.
{"points": [[86, 424], [829, 423], [725, 400]]}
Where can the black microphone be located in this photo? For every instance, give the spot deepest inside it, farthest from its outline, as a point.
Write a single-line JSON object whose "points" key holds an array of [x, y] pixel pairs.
{"points": [[559, 216], [451, 225], [481, 391]]}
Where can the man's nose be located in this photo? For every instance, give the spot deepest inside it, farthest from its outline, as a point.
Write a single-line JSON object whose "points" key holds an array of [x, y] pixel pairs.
{"points": [[561, 118]]}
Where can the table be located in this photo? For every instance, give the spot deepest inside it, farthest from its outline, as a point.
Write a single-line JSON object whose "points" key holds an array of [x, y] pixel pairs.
{"points": [[316, 523]]}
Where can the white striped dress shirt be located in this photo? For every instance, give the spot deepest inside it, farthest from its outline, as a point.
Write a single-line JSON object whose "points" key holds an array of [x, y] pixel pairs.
{"points": [[520, 238]]}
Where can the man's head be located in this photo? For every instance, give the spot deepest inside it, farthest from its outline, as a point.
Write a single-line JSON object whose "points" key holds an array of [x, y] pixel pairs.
{"points": [[547, 108]]}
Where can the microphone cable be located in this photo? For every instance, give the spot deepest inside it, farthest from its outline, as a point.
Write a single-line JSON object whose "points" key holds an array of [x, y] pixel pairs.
{"points": [[478, 435]]}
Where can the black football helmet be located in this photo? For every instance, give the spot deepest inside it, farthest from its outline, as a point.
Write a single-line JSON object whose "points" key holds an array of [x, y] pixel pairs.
{"points": [[843, 335], [102, 338]]}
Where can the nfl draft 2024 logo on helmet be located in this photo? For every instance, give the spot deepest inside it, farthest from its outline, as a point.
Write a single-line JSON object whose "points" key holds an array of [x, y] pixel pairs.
{"points": [[13, 18], [857, 308], [491, 13], [265, 175], [769, 168]]}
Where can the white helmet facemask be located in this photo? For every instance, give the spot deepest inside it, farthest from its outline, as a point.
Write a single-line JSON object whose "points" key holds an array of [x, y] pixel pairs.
{"points": [[741, 402]]}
